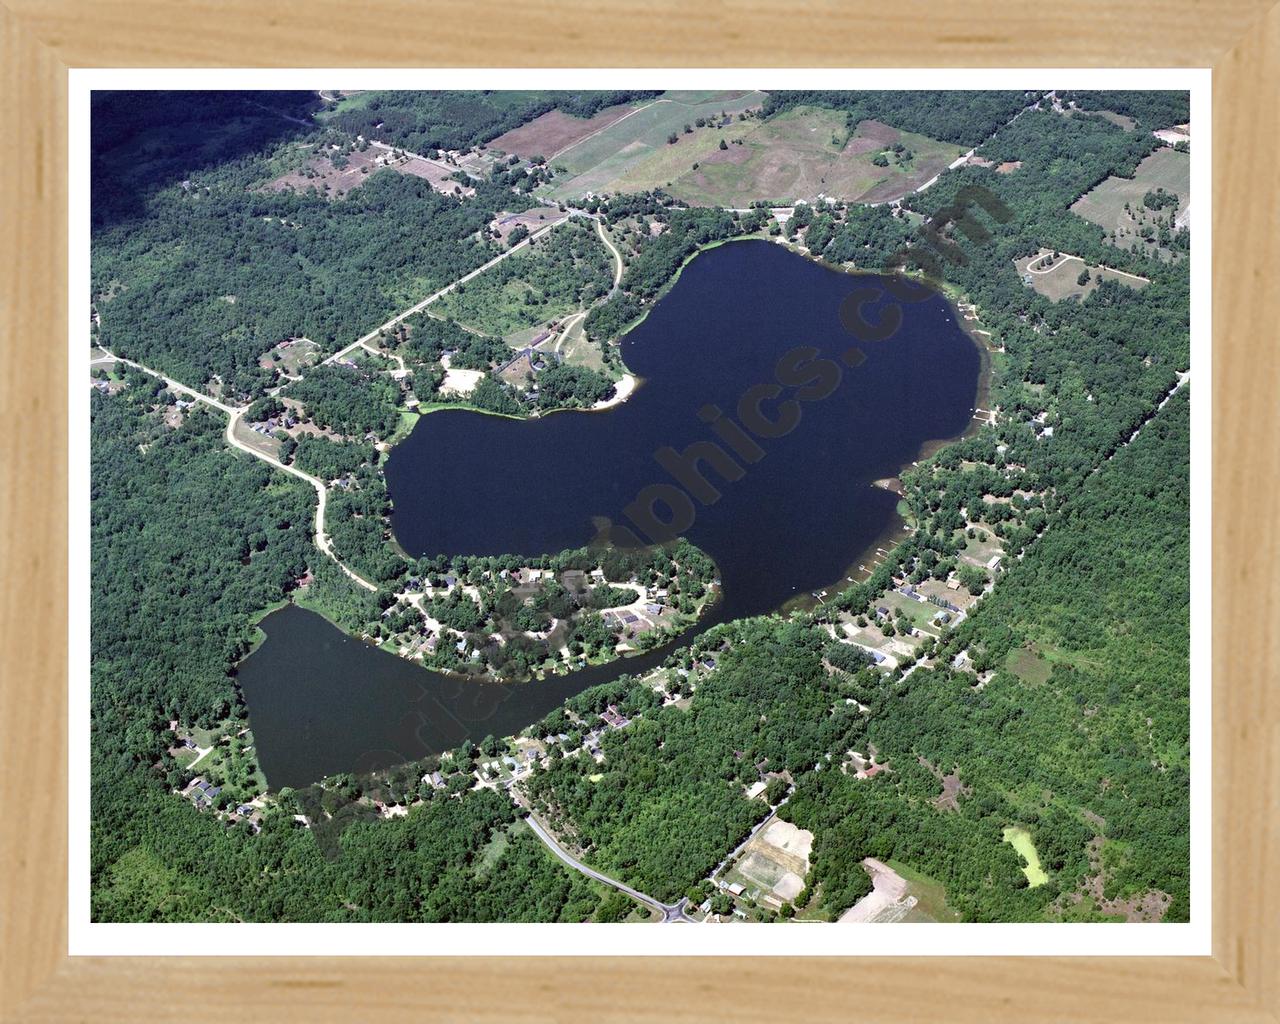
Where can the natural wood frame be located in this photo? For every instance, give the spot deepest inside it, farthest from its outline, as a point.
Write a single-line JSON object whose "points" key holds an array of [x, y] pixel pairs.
{"points": [[41, 39]]}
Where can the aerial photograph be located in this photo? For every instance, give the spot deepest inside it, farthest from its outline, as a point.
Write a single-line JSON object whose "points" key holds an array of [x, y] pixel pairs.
{"points": [[719, 506]]}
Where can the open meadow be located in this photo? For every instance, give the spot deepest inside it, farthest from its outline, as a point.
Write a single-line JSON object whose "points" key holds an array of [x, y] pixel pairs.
{"points": [[1116, 205], [801, 154]]}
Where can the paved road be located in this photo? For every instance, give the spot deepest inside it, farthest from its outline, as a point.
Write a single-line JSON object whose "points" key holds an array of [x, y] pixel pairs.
{"points": [[672, 913]]}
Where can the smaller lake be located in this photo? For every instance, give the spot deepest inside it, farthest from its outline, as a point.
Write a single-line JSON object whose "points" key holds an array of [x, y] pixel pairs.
{"points": [[322, 702]]}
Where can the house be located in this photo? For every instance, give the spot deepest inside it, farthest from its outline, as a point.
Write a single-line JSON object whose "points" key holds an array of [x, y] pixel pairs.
{"points": [[736, 888], [653, 609], [993, 562]]}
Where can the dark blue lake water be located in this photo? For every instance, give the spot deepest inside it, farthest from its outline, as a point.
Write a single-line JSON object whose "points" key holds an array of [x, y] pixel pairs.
{"points": [[751, 435]]}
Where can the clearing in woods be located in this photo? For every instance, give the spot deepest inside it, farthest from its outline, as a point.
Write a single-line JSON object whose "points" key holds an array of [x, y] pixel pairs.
{"points": [[1056, 276], [1020, 840], [334, 175], [1105, 204], [613, 160], [801, 154], [560, 274]]}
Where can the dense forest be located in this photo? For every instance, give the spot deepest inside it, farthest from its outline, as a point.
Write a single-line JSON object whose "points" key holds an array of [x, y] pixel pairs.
{"points": [[1100, 608], [421, 121], [213, 270]]}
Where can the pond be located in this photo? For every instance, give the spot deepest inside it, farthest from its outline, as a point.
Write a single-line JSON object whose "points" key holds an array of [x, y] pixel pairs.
{"points": [[755, 433]]}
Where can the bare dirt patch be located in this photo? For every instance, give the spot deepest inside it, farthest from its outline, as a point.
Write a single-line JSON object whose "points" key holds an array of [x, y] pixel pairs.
{"points": [[505, 223], [888, 900], [336, 180], [776, 862], [553, 131]]}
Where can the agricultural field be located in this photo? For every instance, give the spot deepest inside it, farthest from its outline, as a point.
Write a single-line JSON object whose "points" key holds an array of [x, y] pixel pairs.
{"points": [[630, 154], [559, 274], [1117, 206], [803, 153], [550, 134], [1056, 276]]}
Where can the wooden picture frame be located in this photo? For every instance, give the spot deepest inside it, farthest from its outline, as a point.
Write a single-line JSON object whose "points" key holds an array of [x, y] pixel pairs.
{"points": [[42, 39]]}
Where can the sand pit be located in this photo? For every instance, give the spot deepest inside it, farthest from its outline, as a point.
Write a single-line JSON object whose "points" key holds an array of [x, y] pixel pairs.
{"points": [[886, 902], [459, 382], [786, 837]]}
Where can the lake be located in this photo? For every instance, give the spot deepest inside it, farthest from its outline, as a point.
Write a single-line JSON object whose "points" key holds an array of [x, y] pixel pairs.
{"points": [[751, 435]]}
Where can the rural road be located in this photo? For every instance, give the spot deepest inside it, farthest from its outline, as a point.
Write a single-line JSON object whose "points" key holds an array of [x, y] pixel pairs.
{"points": [[617, 257], [322, 493], [672, 913], [419, 307], [425, 159], [234, 415]]}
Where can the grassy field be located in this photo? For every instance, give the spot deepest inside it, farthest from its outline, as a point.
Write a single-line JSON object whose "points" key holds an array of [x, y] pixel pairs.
{"points": [[1061, 280], [1105, 204], [1028, 666], [931, 893], [1020, 840], [801, 154], [558, 275], [617, 155], [804, 154]]}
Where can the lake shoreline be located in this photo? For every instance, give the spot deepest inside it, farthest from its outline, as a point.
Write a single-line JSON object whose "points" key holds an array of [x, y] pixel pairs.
{"points": [[786, 530]]}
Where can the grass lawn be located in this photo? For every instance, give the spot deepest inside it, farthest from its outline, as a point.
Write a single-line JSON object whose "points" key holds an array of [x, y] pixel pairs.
{"points": [[1061, 280]]}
